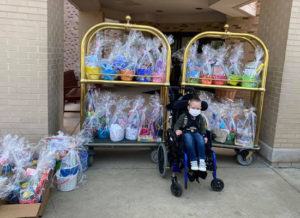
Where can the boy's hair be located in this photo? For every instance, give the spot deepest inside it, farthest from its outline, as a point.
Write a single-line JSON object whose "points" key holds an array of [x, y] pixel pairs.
{"points": [[194, 98]]}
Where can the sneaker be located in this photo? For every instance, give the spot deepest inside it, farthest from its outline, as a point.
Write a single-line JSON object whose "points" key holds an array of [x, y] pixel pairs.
{"points": [[194, 165], [202, 165]]}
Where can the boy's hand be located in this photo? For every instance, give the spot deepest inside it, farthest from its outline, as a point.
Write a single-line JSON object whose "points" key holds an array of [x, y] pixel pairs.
{"points": [[178, 132], [205, 140]]}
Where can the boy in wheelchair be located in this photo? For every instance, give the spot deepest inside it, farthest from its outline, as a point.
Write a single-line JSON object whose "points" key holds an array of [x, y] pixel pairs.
{"points": [[191, 125]]}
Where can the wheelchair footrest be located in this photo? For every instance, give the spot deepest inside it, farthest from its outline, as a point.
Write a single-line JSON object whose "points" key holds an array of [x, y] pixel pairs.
{"points": [[195, 175]]}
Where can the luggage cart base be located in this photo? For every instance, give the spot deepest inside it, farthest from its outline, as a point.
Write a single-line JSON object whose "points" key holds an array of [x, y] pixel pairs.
{"points": [[244, 154], [107, 143]]}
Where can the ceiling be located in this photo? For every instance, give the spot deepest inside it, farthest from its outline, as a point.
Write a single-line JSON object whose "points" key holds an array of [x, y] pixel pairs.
{"points": [[167, 11]]}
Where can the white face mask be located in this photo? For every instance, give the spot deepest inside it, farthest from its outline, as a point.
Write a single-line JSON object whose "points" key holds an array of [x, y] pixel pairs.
{"points": [[194, 112]]}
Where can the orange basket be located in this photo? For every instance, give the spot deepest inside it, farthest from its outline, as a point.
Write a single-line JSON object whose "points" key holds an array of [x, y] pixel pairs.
{"points": [[225, 93]]}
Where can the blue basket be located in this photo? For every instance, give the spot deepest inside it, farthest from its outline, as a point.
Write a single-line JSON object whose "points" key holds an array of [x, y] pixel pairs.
{"points": [[107, 69], [103, 134], [6, 170], [144, 74], [84, 160]]}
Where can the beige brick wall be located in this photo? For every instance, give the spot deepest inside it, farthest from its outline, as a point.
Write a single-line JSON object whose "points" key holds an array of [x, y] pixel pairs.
{"points": [[24, 68], [288, 121], [71, 37], [273, 30]]}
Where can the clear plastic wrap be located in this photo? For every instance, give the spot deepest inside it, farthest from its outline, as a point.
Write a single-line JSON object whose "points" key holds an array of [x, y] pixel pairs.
{"points": [[67, 174], [151, 121], [30, 165], [135, 54], [103, 114], [246, 126], [144, 129], [220, 69], [119, 120], [235, 64], [33, 189], [156, 117], [253, 69], [90, 102], [208, 57], [15, 153], [70, 165], [228, 120], [193, 69], [207, 60], [60, 144], [145, 63], [160, 58], [236, 60], [134, 119], [24, 183]]}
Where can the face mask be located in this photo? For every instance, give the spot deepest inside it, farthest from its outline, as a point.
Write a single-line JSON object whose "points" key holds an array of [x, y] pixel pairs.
{"points": [[194, 112]]}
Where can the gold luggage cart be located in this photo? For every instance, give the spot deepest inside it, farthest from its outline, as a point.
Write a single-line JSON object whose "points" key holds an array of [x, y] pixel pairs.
{"points": [[244, 154], [85, 48]]}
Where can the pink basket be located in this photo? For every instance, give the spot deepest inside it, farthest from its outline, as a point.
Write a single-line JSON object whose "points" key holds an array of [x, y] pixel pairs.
{"points": [[160, 79], [220, 82]]}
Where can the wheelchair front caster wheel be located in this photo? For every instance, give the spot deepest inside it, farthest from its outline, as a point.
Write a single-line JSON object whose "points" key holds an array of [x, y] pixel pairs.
{"points": [[90, 160], [217, 185], [242, 158], [154, 156], [176, 189]]}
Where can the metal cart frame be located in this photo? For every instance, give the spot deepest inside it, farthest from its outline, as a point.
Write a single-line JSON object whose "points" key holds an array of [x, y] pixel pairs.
{"points": [[85, 48], [244, 154]]}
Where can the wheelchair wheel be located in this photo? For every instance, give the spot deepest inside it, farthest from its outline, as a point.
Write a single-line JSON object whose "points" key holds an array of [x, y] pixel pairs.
{"points": [[217, 185], [162, 159], [154, 157], [176, 189], [242, 158]]}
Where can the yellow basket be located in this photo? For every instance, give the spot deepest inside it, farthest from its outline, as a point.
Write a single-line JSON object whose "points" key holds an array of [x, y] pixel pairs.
{"points": [[93, 73]]}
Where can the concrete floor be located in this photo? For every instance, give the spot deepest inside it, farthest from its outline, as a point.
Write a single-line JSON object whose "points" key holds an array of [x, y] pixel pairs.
{"points": [[125, 183]]}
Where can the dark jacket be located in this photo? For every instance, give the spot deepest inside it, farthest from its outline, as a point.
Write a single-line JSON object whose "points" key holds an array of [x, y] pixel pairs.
{"points": [[184, 120]]}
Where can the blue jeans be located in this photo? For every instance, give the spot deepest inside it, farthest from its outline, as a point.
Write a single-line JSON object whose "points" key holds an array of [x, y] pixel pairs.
{"points": [[191, 140]]}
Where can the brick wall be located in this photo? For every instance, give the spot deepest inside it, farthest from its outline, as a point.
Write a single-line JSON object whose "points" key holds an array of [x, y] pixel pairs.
{"points": [[55, 64], [273, 30], [187, 27], [71, 37], [24, 68], [288, 120]]}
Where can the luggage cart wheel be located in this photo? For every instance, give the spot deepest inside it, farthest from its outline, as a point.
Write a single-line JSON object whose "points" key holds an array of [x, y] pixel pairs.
{"points": [[90, 160], [242, 158], [217, 185], [176, 189], [162, 160], [154, 157]]}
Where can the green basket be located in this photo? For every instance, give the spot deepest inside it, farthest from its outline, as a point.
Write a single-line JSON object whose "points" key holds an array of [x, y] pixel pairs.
{"points": [[246, 81], [193, 80], [233, 77]]}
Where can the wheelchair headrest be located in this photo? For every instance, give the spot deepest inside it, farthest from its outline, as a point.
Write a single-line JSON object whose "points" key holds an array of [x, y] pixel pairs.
{"points": [[181, 104]]}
